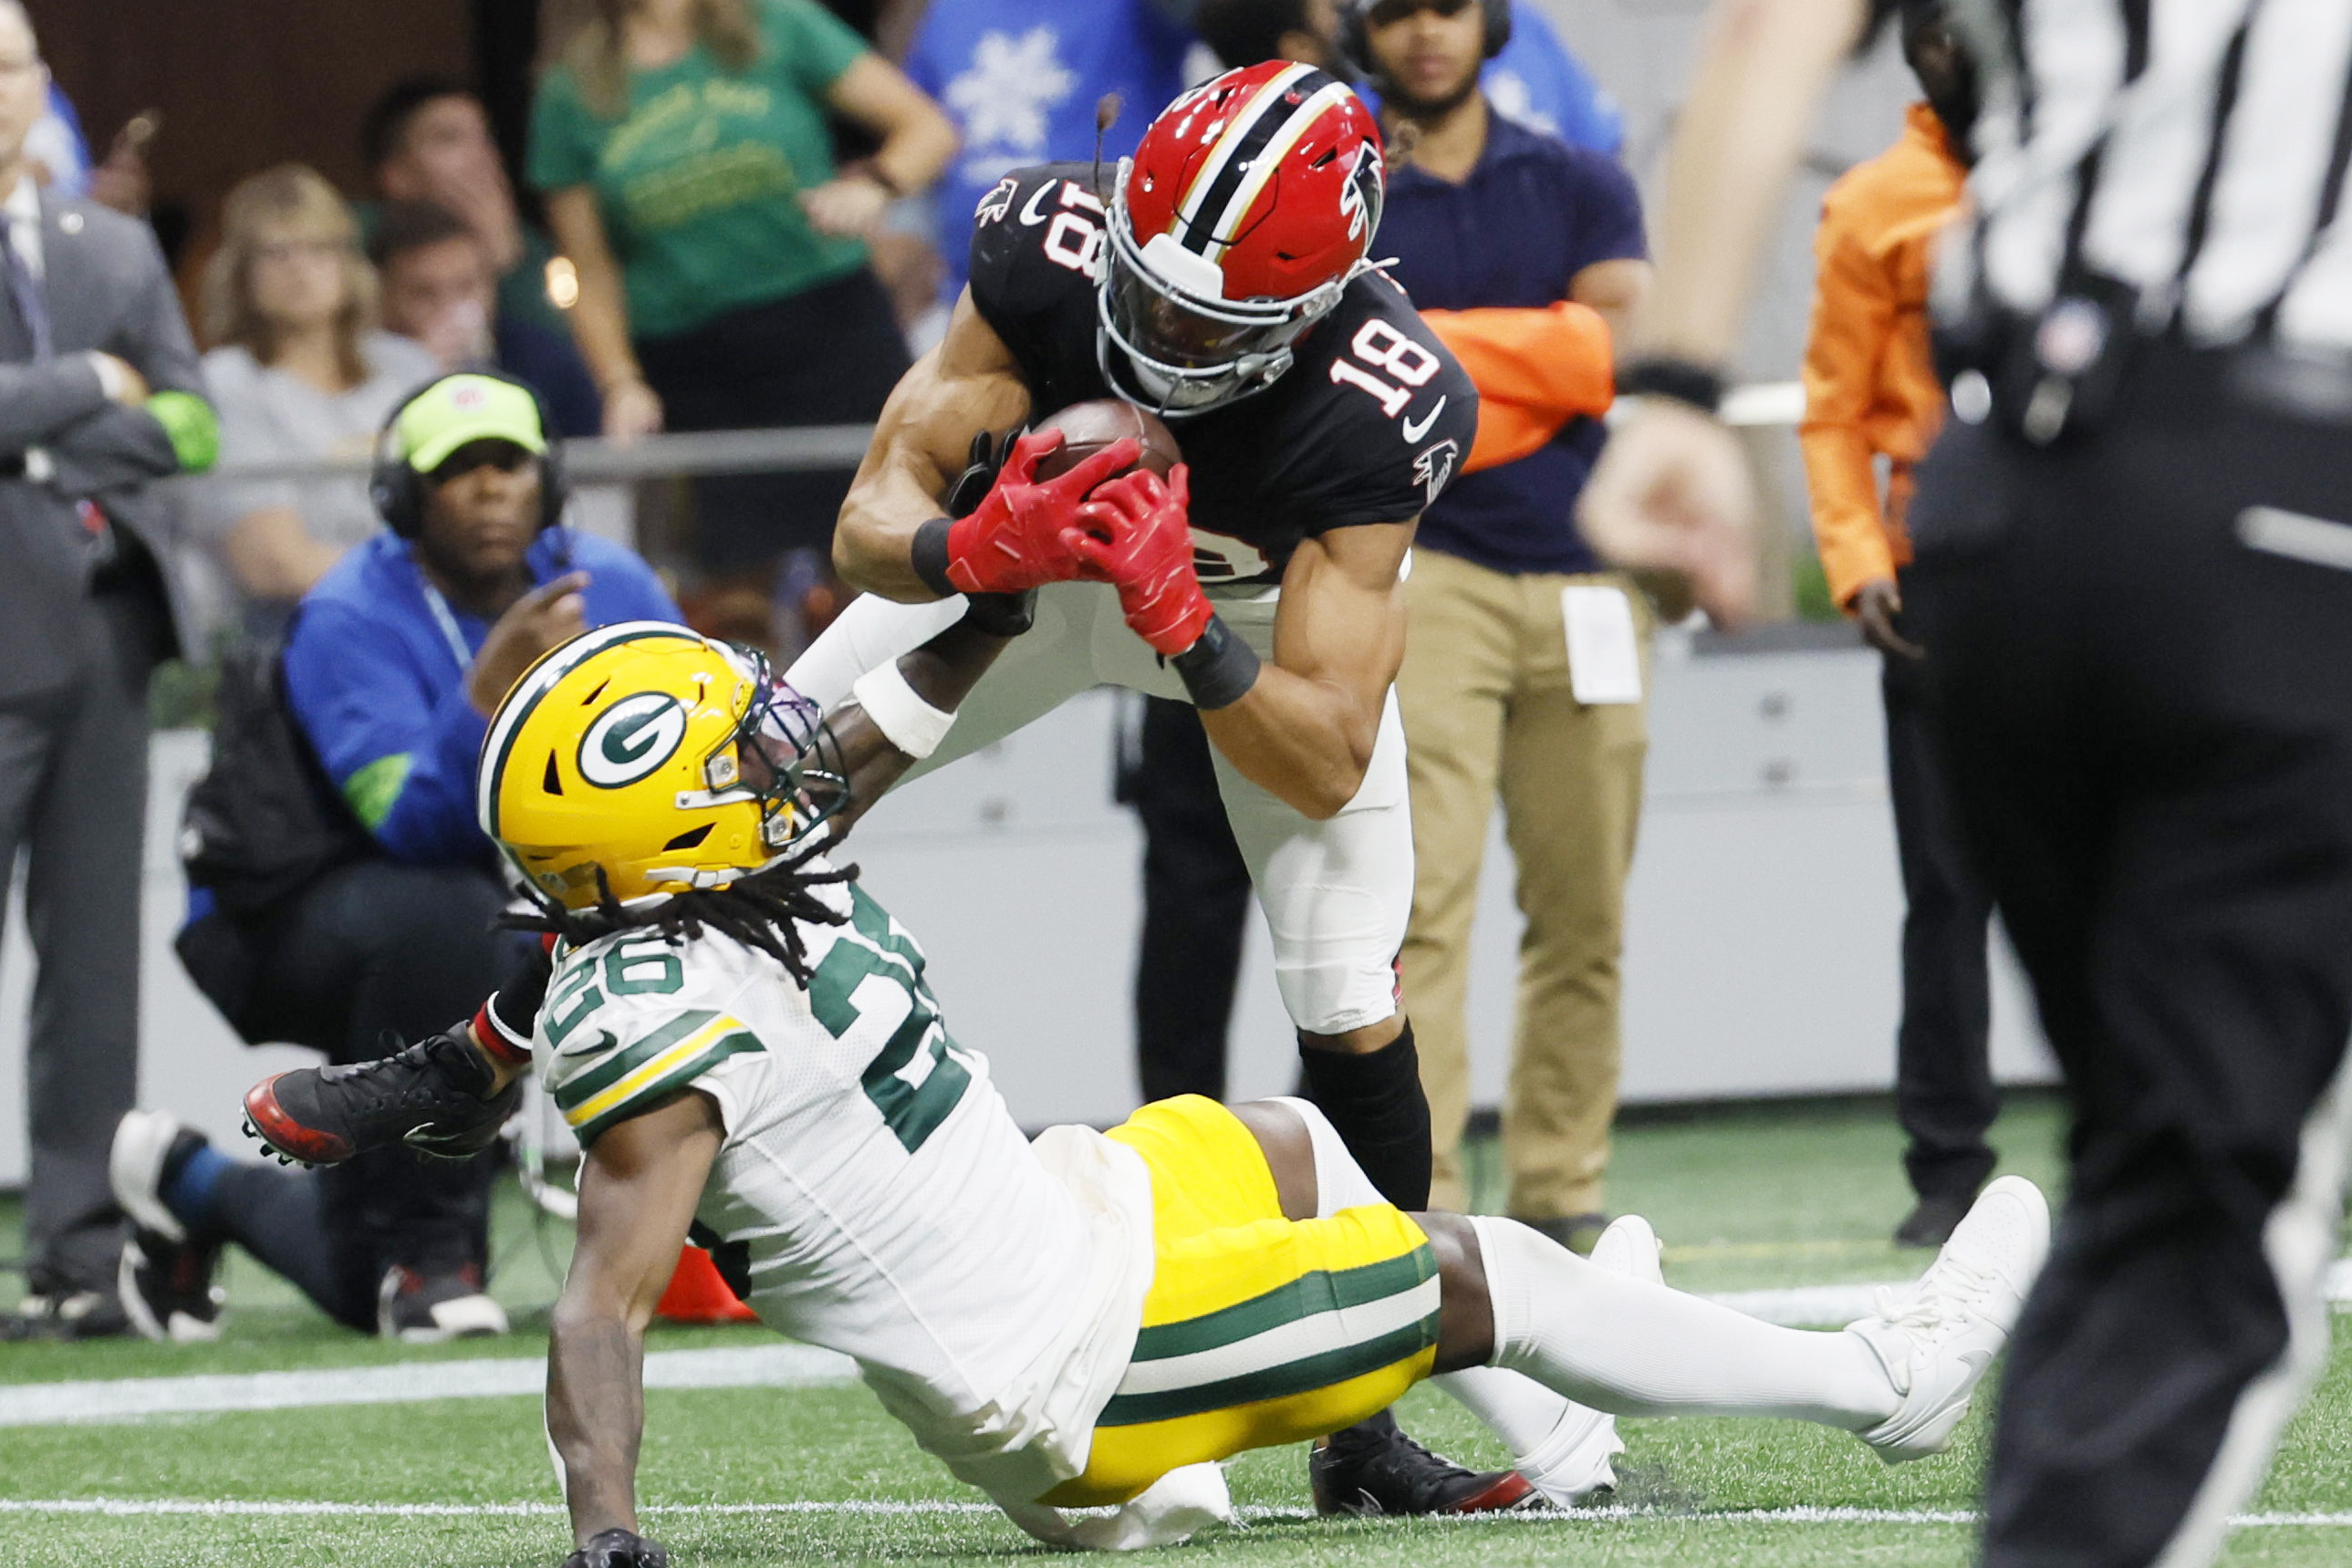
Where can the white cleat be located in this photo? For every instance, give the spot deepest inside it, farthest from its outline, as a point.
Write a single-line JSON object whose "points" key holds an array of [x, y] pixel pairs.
{"points": [[1936, 1343], [1576, 1462], [1630, 1246], [135, 1167]]}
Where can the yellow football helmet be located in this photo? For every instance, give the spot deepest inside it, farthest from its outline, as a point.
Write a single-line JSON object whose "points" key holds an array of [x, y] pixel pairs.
{"points": [[630, 751]]}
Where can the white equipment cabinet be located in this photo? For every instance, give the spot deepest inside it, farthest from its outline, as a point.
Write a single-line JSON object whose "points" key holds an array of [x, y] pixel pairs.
{"points": [[1761, 952]]}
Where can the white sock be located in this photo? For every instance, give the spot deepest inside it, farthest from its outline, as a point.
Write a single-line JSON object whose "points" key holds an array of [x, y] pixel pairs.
{"points": [[1550, 1437], [1524, 1413], [1633, 1348]]}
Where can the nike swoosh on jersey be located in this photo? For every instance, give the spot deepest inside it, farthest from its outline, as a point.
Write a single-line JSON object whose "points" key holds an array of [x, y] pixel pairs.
{"points": [[1413, 433], [609, 1040]]}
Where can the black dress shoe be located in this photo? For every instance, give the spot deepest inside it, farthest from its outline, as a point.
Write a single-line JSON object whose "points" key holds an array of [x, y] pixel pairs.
{"points": [[1931, 1223]]}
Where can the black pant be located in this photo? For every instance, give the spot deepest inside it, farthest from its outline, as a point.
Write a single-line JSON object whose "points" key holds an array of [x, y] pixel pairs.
{"points": [[369, 956], [1944, 1092], [1196, 895], [2149, 724], [826, 356]]}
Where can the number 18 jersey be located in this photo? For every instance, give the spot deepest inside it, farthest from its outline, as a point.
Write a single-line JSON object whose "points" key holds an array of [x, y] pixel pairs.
{"points": [[988, 1289], [1369, 423]]}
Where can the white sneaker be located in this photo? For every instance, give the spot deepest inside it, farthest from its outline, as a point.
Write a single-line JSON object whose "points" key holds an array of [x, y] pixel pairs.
{"points": [[135, 1167], [1936, 1341], [1575, 1462]]}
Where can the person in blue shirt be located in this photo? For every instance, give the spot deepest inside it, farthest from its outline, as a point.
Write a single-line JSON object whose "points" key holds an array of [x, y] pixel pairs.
{"points": [[1020, 79], [1523, 676], [394, 662]]}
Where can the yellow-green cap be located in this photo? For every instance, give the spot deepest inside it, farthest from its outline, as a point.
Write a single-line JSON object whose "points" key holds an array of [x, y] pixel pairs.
{"points": [[461, 408]]}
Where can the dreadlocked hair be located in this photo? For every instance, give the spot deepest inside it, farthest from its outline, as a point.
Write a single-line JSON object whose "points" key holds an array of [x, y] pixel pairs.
{"points": [[762, 910]]}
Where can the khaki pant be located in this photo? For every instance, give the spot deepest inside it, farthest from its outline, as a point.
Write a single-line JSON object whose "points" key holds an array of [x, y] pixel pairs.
{"points": [[1489, 710]]}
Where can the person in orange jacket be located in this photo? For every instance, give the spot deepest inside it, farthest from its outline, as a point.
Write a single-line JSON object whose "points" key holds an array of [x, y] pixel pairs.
{"points": [[1871, 392]]}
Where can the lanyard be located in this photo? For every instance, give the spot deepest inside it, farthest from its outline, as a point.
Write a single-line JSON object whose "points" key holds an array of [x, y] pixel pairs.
{"points": [[446, 619]]}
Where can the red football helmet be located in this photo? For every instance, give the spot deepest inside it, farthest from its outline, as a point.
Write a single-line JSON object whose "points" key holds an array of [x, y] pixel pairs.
{"points": [[1237, 223]]}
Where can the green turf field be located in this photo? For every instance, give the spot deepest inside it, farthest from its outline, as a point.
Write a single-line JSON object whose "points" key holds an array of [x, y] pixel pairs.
{"points": [[737, 1476]]}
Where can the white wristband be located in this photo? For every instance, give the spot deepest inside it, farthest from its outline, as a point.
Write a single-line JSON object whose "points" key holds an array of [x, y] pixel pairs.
{"points": [[909, 723]]}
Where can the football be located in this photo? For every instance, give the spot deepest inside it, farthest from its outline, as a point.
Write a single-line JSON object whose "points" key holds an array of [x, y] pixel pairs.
{"points": [[1088, 427]]}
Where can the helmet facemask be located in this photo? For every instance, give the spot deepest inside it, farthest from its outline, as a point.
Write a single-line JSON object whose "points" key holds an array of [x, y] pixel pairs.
{"points": [[1186, 349], [805, 782]]}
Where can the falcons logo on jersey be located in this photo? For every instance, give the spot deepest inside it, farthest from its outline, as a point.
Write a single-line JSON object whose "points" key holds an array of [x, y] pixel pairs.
{"points": [[998, 202], [1435, 468]]}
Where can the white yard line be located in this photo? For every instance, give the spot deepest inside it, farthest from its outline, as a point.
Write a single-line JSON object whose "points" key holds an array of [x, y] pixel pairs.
{"points": [[747, 1367], [753, 1367], [140, 1508]]}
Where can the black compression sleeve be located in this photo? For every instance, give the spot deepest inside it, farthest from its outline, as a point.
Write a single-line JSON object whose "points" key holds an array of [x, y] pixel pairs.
{"points": [[1376, 1104], [929, 557]]}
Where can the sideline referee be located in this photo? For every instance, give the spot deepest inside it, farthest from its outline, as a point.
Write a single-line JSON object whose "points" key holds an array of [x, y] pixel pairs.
{"points": [[2135, 572]]}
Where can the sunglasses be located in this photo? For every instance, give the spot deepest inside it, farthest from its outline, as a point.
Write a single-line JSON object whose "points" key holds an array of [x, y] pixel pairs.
{"points": [[1387, 13]]}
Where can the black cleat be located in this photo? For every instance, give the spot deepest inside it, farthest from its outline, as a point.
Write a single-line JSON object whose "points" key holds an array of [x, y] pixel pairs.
{"points": [[418, 1307], [434, 1097], [1372, 1467], [166, 1288]]}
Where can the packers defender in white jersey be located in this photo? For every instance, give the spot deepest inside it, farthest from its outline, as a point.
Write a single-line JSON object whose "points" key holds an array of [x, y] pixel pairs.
{"points": [[744, 1039]]}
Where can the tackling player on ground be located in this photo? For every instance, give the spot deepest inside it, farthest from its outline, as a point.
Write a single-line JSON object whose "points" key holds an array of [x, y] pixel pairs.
{"points": [[1224, 279], [746, 1044]]}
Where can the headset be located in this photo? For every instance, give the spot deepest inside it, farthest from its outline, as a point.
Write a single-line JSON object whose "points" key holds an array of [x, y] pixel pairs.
{"points": [[397, 490], [1356, 41]]}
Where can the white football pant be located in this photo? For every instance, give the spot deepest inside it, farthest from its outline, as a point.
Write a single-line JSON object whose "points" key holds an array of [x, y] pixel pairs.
{"points": [[1336, 893]]}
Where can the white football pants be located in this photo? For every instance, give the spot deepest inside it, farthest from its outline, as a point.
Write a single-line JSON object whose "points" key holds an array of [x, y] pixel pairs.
{"points": [[1335, 894]]}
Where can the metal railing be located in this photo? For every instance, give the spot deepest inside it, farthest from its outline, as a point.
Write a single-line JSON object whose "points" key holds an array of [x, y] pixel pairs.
{"points": [[1761, 405]]}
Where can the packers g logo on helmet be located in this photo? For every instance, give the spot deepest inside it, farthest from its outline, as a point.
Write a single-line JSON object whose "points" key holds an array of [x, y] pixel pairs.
{"points": [[621, 765], [631, 738]]}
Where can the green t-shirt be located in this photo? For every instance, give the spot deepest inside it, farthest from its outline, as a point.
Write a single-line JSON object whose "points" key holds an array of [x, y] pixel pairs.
{"points": [[698, 182]]}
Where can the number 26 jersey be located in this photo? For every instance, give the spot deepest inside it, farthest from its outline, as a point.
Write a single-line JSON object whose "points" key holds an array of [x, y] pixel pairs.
{"points": [[988, 1289], [1368, 425]]}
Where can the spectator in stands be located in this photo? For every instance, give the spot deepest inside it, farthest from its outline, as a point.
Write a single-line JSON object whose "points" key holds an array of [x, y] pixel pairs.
{"points": [[1871, 394], [722, 263], [439, 292], [428, 139], [100, 394], [300, 373], [1020, 79], [1524, 673], [395, 662]]}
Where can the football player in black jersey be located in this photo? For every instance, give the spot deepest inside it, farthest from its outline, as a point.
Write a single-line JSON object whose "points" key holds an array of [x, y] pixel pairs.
{"points": [[1226, 282], [1223, 279]]}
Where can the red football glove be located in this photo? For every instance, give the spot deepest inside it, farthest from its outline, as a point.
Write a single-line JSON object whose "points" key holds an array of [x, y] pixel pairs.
{"points": [[1013, 541], [1137, 534]]}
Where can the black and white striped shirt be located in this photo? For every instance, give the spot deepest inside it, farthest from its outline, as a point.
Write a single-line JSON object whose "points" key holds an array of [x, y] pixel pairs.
{"points": [[2194, 150]]}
